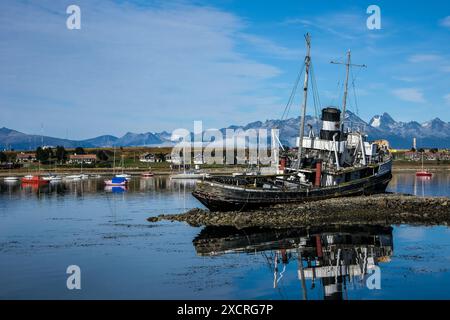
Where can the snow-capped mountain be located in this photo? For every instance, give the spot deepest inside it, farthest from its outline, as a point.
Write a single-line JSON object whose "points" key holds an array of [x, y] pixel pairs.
{"points": [[433, 133], [384, 121]]}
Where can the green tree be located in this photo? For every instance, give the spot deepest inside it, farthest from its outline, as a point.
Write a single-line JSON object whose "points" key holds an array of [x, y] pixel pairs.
{"points": [[102, 155], [61, 154], [3, 157], [42, 155], [79, 150]]}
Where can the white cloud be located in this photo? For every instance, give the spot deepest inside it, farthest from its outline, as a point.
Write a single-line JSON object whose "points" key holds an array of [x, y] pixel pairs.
{"points": [[447, 98], [346, 25], [141, 68], [406, 78], [445, 22], [409, 94], [439, 62], [294, 21], [424, 58], [271, 48]]}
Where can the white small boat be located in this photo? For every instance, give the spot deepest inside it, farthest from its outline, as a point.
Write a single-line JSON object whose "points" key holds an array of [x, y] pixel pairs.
{"points": [[84, 176], [11, 179], [73, 177], [189, 175], [51, 178], [55, 179], [95, 176]]}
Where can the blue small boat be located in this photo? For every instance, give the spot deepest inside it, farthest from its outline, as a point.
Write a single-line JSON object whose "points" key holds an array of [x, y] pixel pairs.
{"points": [[116, 181]]}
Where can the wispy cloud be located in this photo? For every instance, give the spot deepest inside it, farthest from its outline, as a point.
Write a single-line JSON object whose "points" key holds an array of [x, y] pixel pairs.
{"points": [[406, 78], [270, 47], [447, 99], [132, 63], [346, 25], [417, 58], [409, 94], [437, 62], [445, 22]]}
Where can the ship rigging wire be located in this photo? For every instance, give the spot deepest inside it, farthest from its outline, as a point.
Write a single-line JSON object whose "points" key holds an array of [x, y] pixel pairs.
{"points": [[315, 93], [292, 95]]}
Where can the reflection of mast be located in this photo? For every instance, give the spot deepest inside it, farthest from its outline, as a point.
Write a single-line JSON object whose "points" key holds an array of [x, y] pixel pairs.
{"points": [[284, 260], [114, 160], [275, 271], [332, 257], [302, 274], [415, 186]]}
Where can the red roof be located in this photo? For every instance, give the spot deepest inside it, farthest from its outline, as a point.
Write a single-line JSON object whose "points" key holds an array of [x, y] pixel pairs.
{"points": [[82, 156], [26, 155]]}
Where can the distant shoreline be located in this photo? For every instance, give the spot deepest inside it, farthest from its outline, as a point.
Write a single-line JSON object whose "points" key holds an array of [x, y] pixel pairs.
{"points": [[397, 167]]}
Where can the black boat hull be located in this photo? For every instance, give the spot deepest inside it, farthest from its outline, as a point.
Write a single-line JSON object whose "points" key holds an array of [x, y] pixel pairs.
{"points": [[220, 197]]}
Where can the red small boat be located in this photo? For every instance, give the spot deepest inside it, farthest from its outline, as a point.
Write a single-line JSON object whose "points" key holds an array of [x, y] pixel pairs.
{"points": [[147, 174], [423, 172], [34, 180]]}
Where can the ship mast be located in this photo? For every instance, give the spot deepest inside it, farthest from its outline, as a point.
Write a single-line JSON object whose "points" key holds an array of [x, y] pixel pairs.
{"points": [[305, 98], [347, 64], [344, 102]]}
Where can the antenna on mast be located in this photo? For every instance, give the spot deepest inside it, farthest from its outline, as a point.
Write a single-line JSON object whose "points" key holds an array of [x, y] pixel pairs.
{"points": [[305, 97], [347, 64]]}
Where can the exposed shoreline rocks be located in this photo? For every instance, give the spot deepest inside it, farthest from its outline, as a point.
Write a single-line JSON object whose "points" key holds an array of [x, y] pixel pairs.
{"points": [[369, 210]]}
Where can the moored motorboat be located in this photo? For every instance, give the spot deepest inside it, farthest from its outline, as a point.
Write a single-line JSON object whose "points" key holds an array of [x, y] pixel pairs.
{"points": [[52, 178], [117, 181], [11, 179], [123, 175], [34, 179], [423, 172], [73, 177], [189, 175], [148, 174]]}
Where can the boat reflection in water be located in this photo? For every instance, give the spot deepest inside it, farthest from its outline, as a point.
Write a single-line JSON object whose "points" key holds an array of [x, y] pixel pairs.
{"points": [[116, 189], [93, 186], [328, 259]]}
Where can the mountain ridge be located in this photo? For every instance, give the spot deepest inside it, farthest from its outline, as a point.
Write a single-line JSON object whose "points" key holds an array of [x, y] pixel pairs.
{"points": [[433, 133]]}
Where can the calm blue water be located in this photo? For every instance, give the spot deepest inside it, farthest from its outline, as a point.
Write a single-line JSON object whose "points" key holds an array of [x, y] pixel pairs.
{"points": [[121, 255]]}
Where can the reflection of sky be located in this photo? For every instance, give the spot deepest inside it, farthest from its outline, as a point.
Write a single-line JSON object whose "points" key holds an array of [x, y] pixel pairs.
{"points": [[438, 185], [418, 270]]}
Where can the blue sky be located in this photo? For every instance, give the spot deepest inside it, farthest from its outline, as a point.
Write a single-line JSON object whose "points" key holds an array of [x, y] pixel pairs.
{"points": [[153, 65]]}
